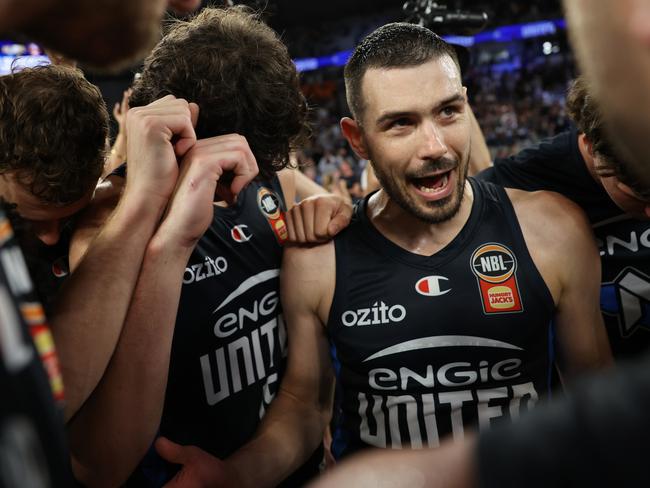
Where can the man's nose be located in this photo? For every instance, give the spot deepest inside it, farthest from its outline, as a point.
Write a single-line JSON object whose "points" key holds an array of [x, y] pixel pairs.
{"points": [[433, 144]]}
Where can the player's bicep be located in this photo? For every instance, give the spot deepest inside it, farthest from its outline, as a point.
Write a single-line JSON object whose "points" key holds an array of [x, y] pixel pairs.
{"points": [[305, 282], [287, 179], [580, 327]]}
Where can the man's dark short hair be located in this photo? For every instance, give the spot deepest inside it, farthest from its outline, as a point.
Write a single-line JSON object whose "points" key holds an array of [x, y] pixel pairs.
{"points": [[396, 45], [585, 112], [53, 130], [239, 73]]}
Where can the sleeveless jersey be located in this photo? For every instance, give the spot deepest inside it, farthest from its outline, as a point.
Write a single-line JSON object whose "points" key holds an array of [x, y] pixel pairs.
{"points": [[425, 346], [229, 346], [624, 246], [230, 340], [556, 164]]}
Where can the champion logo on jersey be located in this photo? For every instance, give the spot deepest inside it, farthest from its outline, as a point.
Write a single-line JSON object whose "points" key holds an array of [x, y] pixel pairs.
{"points": [[60, 267], [430, 286], [240, 233], [494, 266]]}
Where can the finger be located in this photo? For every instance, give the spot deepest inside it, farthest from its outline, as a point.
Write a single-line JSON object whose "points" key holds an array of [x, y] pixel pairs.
{"points": [[194, 113], [324, 209], [243, 173], [297, 223], [116, 111], [308, 214], [291, 232], [170, 451], [340, 220], [224, 193], [125, 100], [187, 138]]}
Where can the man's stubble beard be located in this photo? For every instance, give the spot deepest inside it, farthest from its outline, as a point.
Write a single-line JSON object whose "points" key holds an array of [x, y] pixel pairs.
{"points": [[454, 201]]}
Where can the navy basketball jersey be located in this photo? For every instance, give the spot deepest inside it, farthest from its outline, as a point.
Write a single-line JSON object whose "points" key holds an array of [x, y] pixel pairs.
{"points": [[556, 165], [426, 346], [230, 340]]}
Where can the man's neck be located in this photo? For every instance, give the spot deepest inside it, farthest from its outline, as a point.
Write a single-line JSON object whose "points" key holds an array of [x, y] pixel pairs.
{"points": [[412, 233]]}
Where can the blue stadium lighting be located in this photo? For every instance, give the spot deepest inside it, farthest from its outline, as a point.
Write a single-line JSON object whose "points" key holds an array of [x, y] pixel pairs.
{"points": [[506, 33]]}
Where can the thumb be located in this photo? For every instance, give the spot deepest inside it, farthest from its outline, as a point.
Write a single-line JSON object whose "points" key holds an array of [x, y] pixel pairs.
{"points": [[170, 451], [340, 219], [194, 113], [188, 138]]}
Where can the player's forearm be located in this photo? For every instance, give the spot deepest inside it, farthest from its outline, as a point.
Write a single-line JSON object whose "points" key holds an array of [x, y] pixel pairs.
{"points": [[91, 307], [118, 423], [289, 434]]}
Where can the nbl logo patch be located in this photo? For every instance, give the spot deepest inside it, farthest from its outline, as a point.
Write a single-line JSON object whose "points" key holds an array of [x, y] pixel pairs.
{"points": [[269, 204], [494, 266]]}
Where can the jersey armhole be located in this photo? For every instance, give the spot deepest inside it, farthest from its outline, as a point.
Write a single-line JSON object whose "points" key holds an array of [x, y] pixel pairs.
{"points": [[536, 281], [340, 279]]}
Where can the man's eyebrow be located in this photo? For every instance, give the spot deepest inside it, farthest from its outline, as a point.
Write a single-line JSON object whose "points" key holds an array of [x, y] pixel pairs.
{"points": [[458, 97]]}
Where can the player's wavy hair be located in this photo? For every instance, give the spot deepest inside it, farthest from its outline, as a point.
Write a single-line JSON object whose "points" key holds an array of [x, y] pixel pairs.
{"points": [[585, 112], [239, 73], [395, 45], [53, 130]]}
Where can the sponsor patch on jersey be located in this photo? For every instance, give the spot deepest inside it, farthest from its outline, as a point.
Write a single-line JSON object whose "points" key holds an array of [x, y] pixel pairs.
{"points": [[431, 286], [269, 204], [380, 313], [240, 233], [494, 266]]}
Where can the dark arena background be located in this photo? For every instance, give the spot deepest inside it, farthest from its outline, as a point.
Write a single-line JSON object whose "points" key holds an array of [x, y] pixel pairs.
{"points": [[517, 67]]}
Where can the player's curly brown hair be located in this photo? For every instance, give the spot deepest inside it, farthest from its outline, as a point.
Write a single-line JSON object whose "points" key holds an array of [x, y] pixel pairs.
{"points": [[53, 129], [239, 73]]}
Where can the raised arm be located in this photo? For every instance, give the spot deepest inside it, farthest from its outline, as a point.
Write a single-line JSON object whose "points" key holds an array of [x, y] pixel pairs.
{"points": [[114, 429], [92, 305]]}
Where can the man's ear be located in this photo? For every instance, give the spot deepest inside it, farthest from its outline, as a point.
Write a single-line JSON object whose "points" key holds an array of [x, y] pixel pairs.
{"points": [[352, 132], [589, 147]]}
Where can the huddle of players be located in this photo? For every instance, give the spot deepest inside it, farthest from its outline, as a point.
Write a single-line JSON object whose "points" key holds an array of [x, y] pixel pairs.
{"points": [[437, 309]]}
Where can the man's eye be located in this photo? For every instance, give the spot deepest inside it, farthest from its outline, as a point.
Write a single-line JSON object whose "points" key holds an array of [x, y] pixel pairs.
{"points": [[401, 122], [449, 111]]}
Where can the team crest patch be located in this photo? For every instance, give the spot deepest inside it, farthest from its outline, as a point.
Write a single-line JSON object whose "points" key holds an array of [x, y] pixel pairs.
{"points": [[269, 204], [494, 266]]}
